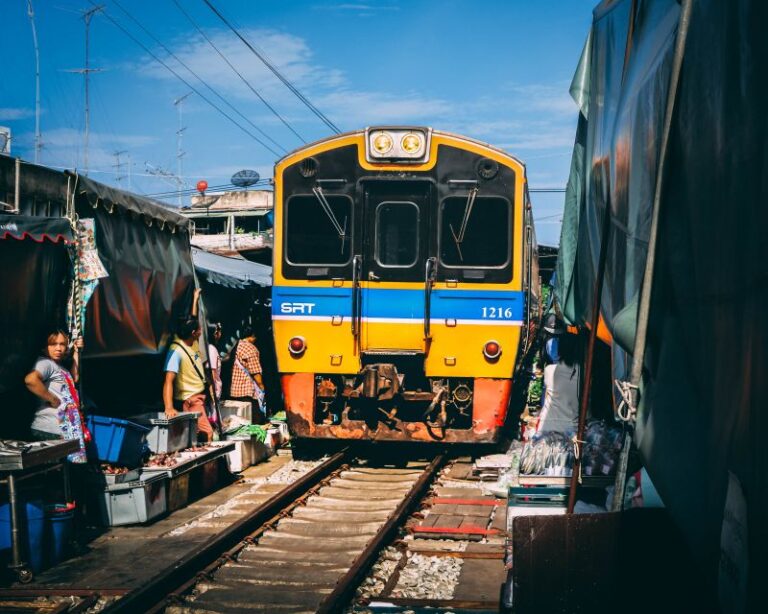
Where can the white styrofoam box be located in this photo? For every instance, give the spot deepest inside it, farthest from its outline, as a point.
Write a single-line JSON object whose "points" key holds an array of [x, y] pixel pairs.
{"points": [[283, 428], [236, 408], [260, 451], [242, 456], [273, 440]]}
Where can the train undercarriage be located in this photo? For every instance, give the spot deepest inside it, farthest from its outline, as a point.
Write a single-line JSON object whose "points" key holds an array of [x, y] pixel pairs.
{"points": [[394, 400]]}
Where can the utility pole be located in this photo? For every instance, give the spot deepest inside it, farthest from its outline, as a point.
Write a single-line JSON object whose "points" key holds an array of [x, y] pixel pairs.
{"points": [[87, 15], [38, 139], [119, 166], [179, 104]]}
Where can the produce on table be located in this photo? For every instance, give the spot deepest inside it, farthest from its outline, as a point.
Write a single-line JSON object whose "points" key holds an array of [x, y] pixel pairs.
{"points": [[113, 469], [165, 459]]}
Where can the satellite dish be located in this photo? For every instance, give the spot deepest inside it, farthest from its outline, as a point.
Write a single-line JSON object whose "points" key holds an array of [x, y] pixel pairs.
{"points": [[245, 178]]}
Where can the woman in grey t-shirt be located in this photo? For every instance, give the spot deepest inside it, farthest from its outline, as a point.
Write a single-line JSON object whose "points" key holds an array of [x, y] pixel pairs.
{"points": [[58, 413]]}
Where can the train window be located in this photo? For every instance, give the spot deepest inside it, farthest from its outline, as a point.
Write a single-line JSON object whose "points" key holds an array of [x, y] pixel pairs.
{"points": [[397, 234], [318, 232], [475, 234]]}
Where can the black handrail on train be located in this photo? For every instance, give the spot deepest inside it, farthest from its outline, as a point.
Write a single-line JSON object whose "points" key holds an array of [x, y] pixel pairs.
{"points": [[357, 266], [429, 280]]}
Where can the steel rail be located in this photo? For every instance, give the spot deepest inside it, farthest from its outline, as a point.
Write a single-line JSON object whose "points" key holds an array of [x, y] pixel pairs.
{"points": [[177, 596], [345, 587], [153, 593]]}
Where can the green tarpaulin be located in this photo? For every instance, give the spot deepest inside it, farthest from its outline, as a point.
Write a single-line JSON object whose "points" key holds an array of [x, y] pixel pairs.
{"points": [[704, 404]]}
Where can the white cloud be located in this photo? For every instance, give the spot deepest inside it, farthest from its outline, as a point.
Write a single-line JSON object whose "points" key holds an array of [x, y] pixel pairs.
{"points": [[550, 138], [290, 54], [328, 88], [550, 98], [64, 147], [359, 108], [8, 114]]}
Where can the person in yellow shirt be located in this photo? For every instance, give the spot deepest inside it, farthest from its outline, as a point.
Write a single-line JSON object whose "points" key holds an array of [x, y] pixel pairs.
{"points": [[184, 385]]}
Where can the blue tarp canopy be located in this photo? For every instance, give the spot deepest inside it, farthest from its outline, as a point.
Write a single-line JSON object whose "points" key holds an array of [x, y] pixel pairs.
{"points": [[231, 272]]}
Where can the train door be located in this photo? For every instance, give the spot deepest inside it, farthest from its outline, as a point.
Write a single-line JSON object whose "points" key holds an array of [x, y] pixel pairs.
{"points": [[397, 253]]}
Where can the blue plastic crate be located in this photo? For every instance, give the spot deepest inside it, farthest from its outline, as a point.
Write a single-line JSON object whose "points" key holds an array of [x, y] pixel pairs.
{"points": [[117, 441]]}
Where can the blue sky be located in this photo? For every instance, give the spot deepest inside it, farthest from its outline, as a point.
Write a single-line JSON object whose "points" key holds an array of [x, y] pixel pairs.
{"points": [[497, 71]]}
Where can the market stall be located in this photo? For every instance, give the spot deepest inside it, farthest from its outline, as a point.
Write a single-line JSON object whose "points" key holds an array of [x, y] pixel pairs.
{"points": [[35, 276], [146, 281], [117, 269]]}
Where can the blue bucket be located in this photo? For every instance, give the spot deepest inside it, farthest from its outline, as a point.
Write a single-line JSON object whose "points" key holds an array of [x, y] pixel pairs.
{"points": [[33, 540], [59, 527]]}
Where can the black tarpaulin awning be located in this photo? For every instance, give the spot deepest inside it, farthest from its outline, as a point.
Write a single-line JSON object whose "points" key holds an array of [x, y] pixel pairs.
{"points": [[231, 272], [37, 229], [154, 212]]}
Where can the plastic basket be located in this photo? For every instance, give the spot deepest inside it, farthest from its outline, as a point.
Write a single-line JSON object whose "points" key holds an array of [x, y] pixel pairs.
{"points": [[117, 441], [134, 502], [169, 434]]}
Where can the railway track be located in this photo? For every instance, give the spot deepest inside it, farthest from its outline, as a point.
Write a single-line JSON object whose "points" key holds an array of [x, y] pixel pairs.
{"points": [[304, 550]]}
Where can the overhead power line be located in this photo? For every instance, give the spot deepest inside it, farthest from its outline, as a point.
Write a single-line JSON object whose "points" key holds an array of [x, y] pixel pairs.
{"points": [[228, 187], [274, 69], [192, 72], [237, 72], [118, 25]]}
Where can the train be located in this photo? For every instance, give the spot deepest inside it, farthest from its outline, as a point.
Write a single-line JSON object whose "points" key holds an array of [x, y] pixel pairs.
{"points": [[405, 286]]}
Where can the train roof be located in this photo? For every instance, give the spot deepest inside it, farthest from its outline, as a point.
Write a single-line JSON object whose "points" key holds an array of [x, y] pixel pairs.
{"points": [[440, 132]]}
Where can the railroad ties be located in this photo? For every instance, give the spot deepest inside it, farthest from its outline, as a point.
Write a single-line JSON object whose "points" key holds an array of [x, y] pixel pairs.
{"points": [[302, 563]]}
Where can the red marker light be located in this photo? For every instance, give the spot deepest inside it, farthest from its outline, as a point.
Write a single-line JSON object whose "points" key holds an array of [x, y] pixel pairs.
{"points": [[202, 186], [297, 345], [492, 350]]}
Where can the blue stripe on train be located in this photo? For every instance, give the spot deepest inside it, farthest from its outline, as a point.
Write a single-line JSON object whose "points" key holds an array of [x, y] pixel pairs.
{"points": [[399, 303]]}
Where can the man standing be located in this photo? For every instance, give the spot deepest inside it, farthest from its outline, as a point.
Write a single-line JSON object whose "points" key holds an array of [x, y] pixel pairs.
{"points": [[184, 385], [247, 384]]}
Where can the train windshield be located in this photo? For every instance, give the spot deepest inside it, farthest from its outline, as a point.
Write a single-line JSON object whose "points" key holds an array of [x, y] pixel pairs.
{"points": [[475, 231], [318, 229]]}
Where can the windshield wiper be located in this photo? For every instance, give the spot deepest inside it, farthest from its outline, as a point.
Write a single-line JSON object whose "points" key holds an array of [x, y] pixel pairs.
{"points": [[464, 221], [341, 231]]}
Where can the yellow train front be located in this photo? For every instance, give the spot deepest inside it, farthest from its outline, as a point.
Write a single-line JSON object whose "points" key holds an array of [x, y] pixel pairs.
{"points": [[405, 279]]}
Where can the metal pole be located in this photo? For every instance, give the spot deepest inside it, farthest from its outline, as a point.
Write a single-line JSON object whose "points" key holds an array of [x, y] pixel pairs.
{"points": [[179, 104], [87, 15], [38, 139], [17, 187], [16, 560]]}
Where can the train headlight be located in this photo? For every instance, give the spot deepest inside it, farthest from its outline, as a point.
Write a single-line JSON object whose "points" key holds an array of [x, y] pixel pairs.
{"points": [[297, 346], [492, 350], [397, 144], [411, 143], [382, 143]]}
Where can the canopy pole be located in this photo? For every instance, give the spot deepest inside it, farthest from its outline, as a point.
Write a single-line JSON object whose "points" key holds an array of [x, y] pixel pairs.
{"points": [[17, 187], [77, 325]]}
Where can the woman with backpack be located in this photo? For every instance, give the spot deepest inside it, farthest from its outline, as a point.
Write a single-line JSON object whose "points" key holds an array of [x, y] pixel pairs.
{"points": [[247, 384]]}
